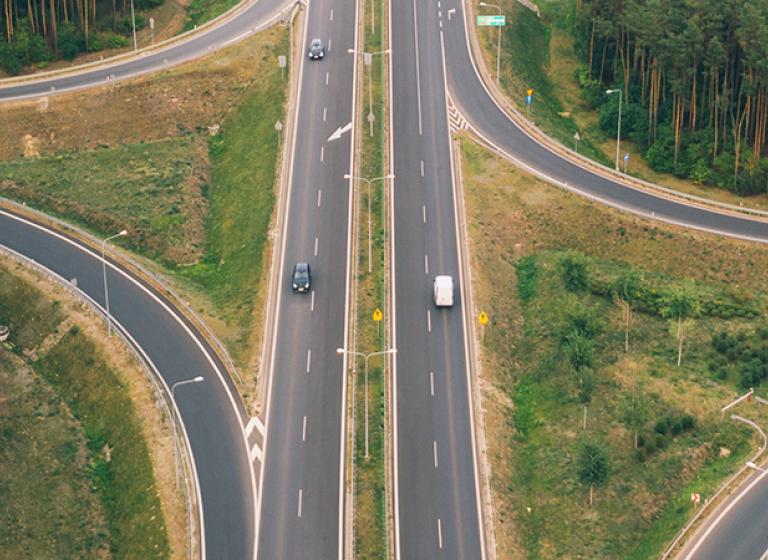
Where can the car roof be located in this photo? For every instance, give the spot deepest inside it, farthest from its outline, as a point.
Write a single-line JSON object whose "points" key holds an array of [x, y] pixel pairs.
{"points": [[316, 41], [301, 266]]}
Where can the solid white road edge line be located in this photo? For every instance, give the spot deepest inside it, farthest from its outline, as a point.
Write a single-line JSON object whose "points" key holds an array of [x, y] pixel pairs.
{"points": [[418, 74], [289, 188], [136, 345], [465, 310], [723, 513], [349, 280]]}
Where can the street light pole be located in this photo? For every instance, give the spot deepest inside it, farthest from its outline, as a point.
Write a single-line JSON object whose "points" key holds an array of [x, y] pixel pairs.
{"points": [[365, 359], [197, 379], [369, 181], [618, 133], [367, 60], [133, 23], [498, 44], [104, 274]]}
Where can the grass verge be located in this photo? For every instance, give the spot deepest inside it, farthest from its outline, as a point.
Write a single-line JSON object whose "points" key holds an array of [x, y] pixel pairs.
{"points": [[201, 11], [535, 396], [104, 442], [139, 155], [241, 197], [370, 523]]}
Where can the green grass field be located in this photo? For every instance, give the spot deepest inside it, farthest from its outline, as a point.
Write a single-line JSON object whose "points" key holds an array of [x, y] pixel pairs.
{"points": [[151, 189], [94, 449], [526, 231], [241, 198]]}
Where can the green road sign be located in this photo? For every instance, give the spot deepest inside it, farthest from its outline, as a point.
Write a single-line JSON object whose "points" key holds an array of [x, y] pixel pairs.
{"points": [[496, 21]]}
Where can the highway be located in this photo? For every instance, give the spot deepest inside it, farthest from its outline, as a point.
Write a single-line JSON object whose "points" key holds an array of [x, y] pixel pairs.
{"points": [[436, 504], [300, 513], [302, 505], [212, 413]]}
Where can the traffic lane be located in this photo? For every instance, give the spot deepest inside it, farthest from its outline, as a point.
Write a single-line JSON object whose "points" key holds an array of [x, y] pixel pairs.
{"points": [[319, 204], [282, 468], [224, 493], [741, 535], [258, 13], [480, 110]]}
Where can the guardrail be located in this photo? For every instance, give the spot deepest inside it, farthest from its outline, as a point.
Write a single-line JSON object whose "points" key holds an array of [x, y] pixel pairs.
{"points": [[150, 49], [537, 135], [162, 393]]}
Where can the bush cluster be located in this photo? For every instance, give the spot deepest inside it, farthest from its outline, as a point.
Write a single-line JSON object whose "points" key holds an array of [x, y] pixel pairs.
{"points": [[743, 354], [663, 432]]}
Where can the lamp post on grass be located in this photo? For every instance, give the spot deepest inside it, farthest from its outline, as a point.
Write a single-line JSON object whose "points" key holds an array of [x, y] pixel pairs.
{"points": [[498, 43], [367, 61], [618, 133], [369, 181], [104, 273], [365, 357]]}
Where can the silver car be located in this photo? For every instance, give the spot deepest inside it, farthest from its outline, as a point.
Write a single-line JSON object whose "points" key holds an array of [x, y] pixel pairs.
{"points": [[316, 49]]}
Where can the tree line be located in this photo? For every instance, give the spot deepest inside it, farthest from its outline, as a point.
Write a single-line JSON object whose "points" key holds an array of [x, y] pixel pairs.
{"points": [[694, 77], [37, 31]]}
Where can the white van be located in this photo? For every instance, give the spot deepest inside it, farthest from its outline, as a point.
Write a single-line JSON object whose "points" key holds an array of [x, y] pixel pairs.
{"points": [[443, 291]]}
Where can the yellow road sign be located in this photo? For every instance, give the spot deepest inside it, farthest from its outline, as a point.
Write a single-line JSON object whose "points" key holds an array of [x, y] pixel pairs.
{"points": [[378, 315], [530, 92], [483, 318]]}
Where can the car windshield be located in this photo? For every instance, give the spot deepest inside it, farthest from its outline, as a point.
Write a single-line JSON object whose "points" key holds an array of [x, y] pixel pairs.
{"points": [[300, 275]]}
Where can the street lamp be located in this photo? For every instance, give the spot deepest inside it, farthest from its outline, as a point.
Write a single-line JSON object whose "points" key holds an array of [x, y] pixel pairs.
{"points": [[341, 351], [133, 24], [197, 379], [369, 181], [752, 465], [104, 273], [367, 60], [618, 133], [498, 45]]}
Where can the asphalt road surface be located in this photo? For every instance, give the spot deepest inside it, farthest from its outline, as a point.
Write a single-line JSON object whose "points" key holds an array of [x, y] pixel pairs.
{"points": [[737, 529], [480, 110], [435, 486], [257, 16], [212, 413], [303, 494]]}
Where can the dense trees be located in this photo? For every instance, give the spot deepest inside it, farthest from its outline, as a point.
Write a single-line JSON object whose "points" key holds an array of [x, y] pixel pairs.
{"points": [[695, 79], [34, 31]]}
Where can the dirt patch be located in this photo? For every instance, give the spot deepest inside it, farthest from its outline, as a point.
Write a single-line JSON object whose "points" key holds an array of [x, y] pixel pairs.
{"points": [[188, 100]]}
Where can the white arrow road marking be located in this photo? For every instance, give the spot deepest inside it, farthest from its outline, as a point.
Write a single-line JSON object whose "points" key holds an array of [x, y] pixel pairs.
{"points": [[339, 131], [254, 422], [256, 453]]}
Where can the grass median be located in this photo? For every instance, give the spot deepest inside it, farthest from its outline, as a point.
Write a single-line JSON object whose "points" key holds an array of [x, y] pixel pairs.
{"points": [[370, 523], [573, 413]]}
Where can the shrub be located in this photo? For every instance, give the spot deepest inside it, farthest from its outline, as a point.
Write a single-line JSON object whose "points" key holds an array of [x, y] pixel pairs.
{"points": [[575, 267], [527, 272]]}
